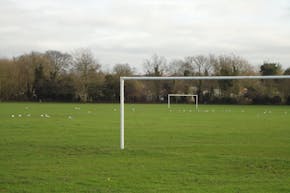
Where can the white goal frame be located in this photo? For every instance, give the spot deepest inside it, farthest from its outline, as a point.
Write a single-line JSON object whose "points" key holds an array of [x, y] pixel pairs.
{"points": [[122, 89], [176, 95]]}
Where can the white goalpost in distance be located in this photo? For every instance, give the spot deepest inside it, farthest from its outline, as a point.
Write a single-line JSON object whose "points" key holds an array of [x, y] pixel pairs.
{"points": [[122, 80], [176, 95]]}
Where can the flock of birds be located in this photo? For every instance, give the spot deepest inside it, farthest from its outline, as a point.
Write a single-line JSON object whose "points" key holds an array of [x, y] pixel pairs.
{"points": [[220, 111], [41, 115], [45, 115]]}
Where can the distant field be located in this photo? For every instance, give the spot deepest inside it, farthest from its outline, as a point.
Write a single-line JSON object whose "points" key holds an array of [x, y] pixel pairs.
{"points": [[75, 148]]}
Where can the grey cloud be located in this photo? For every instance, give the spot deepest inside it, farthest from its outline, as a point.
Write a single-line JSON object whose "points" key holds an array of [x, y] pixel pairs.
{"points": [[131, 30]]}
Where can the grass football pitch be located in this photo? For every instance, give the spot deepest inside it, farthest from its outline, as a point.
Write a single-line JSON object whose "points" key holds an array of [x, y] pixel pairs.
{"points": [[50, 147]]}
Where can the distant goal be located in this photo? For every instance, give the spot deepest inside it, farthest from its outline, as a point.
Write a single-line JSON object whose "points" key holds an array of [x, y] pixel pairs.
{"points": [[194, 97], [157, 78]]}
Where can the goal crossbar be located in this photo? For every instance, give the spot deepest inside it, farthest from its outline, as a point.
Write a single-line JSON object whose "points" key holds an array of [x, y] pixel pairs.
{"points": [[122, 80]]}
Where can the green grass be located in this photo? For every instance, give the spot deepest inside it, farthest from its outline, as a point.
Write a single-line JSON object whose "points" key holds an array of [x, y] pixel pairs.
{"points": [[224, 149]]}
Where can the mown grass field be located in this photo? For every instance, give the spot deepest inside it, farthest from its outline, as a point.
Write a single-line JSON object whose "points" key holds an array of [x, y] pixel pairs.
{"points": [[75, 148]]}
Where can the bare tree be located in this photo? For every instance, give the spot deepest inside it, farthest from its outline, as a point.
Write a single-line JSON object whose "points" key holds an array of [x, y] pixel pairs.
{"points": [[202, 64], [84, 63], [132, 87], [123, 70], [155, 66], [59, 62]]}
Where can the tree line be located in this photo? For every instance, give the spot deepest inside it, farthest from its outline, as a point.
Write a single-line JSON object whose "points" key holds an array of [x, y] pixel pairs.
{"points": [[78, 77]]}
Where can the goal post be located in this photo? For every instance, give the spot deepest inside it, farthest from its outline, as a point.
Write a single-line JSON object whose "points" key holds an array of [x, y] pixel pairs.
{"points": [[187, 95], [123, 79]]}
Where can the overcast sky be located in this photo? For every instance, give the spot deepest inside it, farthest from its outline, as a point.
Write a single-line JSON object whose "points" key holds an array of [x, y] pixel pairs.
{"points": [[129, 31]]}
